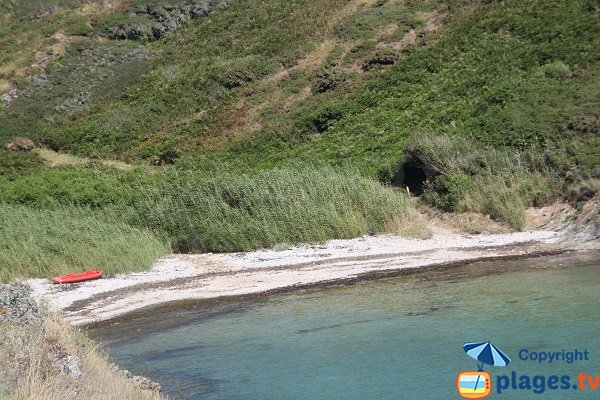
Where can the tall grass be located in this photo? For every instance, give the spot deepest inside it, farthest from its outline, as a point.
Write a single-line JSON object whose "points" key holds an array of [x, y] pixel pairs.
{"points": [[243, 212], [41, 243], [127, 228], [498, 182]]}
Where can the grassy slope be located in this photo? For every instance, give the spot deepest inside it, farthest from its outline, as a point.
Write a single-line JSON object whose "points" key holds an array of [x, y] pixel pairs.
{"points": [[482, 77], [503, 99], [509, 75], [34, 32], [183, 93]]}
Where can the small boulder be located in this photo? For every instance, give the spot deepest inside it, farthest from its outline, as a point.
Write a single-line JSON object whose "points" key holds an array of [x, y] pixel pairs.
{"points": [[8, 97], [20, 144]]}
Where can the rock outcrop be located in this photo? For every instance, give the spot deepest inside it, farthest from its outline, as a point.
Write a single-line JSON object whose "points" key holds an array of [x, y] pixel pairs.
{"points": [[153, 22], [20, 144], [139, 381], [8, 97], [17, 306]]}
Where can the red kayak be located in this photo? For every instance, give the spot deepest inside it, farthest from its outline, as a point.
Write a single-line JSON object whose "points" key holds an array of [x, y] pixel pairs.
{"points": [[80, 277]]}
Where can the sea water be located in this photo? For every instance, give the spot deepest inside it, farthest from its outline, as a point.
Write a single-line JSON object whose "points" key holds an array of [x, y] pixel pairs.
{"points": [[398, 338]]}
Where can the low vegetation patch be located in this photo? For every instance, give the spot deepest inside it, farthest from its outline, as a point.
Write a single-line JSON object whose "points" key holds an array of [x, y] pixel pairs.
{"points": [[467, 176]]}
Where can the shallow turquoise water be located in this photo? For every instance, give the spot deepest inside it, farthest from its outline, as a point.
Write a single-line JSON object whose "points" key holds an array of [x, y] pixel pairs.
{"points": [[399, 338]]}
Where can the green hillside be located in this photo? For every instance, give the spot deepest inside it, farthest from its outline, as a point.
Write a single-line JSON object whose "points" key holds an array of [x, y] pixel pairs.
{"points": [[231, 113]]}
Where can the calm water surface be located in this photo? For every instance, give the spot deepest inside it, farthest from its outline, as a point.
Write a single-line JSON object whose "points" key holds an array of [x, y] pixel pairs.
{"points": [[399, 338]]}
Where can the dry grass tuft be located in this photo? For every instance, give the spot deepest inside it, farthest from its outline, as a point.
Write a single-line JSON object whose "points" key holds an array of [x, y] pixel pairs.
{"points": [[27, 373], [53, 159]]}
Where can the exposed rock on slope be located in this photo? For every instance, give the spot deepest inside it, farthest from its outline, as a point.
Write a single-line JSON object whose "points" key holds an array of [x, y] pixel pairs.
{"points": [[153, 22], [41, 357], [17, 306]]}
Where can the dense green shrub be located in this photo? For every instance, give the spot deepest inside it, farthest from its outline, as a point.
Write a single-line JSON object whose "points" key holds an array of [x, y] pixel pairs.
{"points": [[328, 79], [382, 57], [13, 165], [240, 72], [474, 177], [325, 116], [78, 28], [83, 187], [447, 191], [555, 70]]}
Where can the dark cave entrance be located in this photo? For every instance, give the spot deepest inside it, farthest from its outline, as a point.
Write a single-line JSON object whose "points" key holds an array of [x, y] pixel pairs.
{"points": [[413, 176]]}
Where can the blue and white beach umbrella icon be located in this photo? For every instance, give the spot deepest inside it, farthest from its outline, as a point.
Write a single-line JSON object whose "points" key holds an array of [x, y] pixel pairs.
{"points": [[486, 353]]}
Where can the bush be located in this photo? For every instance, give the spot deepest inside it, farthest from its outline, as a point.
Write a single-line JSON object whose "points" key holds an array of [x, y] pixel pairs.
{"points": [[326, 116], [83, 187], [328, 79], [382, 57], [447, 191], [15, 165], [478, 178], [80, 28], [240, 72], [555, 70]]}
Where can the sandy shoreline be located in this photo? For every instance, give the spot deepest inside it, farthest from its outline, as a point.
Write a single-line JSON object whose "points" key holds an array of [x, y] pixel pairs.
{"points": [[208, 276]]}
